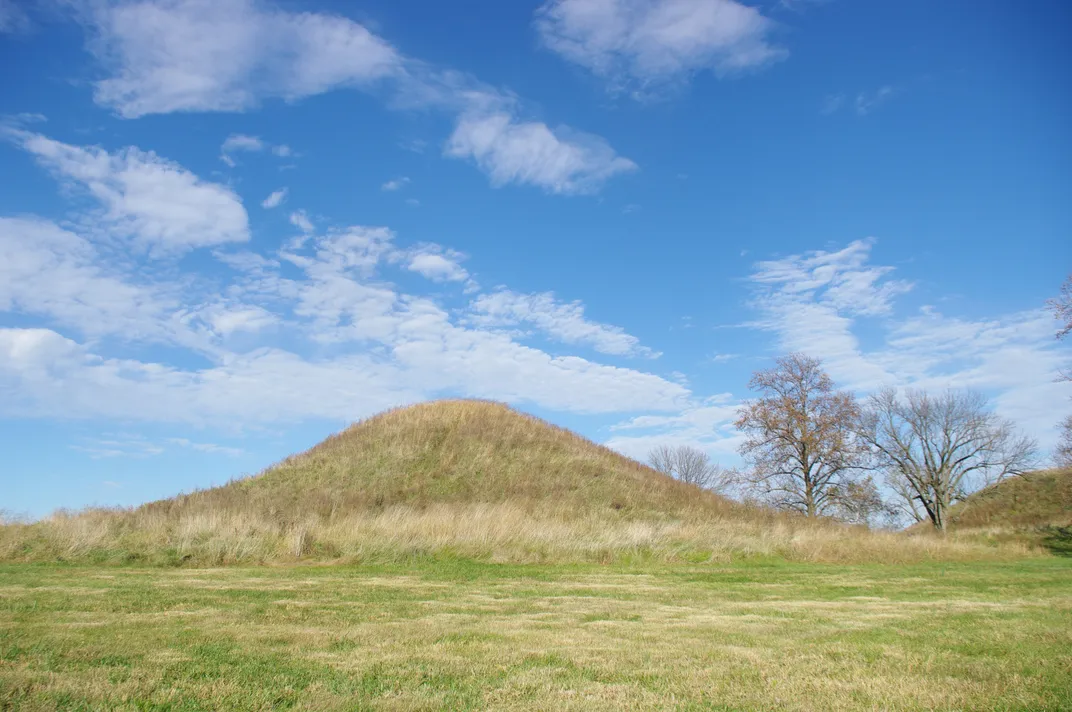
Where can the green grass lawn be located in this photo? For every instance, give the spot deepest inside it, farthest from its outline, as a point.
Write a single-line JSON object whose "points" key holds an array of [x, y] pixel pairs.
{"points": [[460, 635]]}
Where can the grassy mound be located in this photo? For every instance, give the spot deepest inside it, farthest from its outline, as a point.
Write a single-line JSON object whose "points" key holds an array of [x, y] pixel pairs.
{"points": [[458, 478], [1034, 508], [453, 452]]}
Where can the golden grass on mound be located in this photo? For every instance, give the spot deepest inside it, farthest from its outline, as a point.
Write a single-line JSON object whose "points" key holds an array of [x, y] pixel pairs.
{"points": [[457, 451], [1034, 510], [1042, 498], [458, 478]]}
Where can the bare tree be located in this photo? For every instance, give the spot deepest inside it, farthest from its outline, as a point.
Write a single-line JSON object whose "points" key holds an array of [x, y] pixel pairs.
{"points": [[1062, 311], [688, 464], [1062, 308], [661, 458], [1062, 456], [801, 437], [936, 450], [861, 502]]}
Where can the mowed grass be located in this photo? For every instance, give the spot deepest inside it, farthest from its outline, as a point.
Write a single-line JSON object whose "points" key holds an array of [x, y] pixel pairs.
{"points": [[443, 634]]}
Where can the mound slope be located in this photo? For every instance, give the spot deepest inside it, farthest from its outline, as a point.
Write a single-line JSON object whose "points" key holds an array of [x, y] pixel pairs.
{"points": [[1033, 510], [453, 452], [1037, 499]]}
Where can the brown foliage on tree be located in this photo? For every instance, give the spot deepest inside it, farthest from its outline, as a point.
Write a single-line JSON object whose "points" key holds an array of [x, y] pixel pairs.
{"points": [[801, 437]]}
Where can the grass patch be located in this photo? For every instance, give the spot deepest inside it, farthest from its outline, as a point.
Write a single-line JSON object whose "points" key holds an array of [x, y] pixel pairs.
{"points": [[463, 634]]}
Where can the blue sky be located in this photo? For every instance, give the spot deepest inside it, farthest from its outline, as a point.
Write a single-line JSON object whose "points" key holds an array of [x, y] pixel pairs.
{"points": [[229, 228]]}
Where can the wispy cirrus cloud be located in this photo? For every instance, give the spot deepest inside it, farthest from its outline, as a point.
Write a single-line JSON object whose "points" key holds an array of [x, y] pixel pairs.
{"points": [[395, 184], [641, 45], [864, 102], [274, 199], [12, 17], [706, 425], [868, 101], [562, 321]]}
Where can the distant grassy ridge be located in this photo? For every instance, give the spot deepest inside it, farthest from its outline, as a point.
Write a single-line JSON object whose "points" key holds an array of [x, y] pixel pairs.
{"points": [[464, 478], [1040, 498], [1035, 508]]}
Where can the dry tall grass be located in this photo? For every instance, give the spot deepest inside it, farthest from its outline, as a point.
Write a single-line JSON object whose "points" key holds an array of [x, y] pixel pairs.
{"points": [[495, 532], [459, 478]]}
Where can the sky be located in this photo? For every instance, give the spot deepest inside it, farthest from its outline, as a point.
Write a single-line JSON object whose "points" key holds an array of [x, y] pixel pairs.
{"points": [[229, 228]]}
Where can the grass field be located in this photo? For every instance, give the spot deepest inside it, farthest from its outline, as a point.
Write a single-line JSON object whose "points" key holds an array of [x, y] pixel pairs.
{"points": [[462, 635]]}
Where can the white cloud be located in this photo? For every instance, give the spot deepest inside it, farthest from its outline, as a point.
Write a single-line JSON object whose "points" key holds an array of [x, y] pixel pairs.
{"points": [[437, 264], [641, 44], [562, 321], [707, 426], [301, 221], [53, 376], [166, 56], [226, 320], [44, 374], [210, 448], [61, 277], [866, 102], [158, 204], [832, 103], [241, 142], [275, 199], [509, 151], [236, 143], [226, 55], [395, 184], [50, 272]]}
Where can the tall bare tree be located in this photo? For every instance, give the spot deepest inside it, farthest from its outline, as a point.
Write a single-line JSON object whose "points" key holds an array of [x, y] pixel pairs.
{"points": [[1062, 456], [801, 437], [936, 450], [1062, 311], [861, 502], [688, 464], [1062, 308]]}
